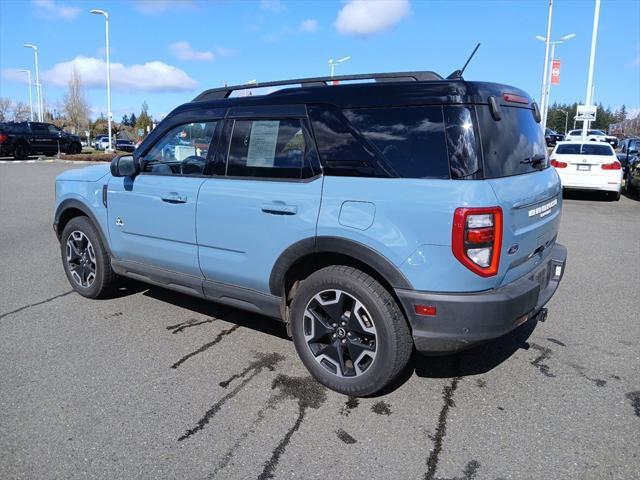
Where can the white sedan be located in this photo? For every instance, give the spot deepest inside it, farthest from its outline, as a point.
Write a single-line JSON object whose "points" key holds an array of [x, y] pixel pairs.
{"points": [[588, 166], [592, 135]]}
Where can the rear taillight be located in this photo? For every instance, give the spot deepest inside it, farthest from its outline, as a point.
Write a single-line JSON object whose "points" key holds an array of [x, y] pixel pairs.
{"points": [[611, 166], [3, 138], [557, 164], [477, 239]]}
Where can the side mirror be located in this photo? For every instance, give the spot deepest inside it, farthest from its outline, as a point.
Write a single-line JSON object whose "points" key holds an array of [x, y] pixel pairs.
{"points": [[124, 166]]}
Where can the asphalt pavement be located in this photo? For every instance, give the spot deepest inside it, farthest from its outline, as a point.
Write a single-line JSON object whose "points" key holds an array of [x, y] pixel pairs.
{"points": [[155, 384]]}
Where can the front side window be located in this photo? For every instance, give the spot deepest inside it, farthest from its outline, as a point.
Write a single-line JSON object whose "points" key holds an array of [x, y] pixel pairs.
{"points": [[53, 130], [267, 148], [181, 151]]}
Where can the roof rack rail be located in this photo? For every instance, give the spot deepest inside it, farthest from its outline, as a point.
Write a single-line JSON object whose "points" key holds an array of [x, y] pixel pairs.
{"points": [[225, 92]]}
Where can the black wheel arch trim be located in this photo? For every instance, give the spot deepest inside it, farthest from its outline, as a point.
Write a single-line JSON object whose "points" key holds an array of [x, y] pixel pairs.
{"points": [[78, 205], [336, 245]]}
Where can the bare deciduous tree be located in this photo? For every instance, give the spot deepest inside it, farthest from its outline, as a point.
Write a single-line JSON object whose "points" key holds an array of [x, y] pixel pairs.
{"points": [[20, 112], [5, 107], [75, 106]]}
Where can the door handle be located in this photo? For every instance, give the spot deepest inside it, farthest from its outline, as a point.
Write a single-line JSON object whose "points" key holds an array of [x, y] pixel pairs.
{"points": [[279, 208], [174, 198]]}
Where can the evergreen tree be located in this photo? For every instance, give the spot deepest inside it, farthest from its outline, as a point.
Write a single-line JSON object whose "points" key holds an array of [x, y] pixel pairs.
{"points": [[125, 120]]}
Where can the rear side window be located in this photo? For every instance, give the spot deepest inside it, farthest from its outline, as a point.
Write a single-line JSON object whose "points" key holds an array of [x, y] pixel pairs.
{"points": [[411, 139], [267, 148], [514, 145]]}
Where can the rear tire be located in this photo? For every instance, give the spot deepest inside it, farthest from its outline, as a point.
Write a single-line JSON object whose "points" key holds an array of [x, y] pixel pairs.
{"points": [[21, 151], [85, 259], [349, 331], [613, 196]]}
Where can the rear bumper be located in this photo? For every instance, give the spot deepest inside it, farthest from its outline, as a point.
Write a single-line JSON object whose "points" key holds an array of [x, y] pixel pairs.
{"points": [[465, 319]]}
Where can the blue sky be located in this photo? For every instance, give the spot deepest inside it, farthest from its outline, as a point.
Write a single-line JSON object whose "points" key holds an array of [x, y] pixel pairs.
{"points": [[167, 51]]}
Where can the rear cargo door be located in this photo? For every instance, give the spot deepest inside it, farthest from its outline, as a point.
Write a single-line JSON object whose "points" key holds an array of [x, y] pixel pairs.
{"points": [[585, 160], [516, 166]]}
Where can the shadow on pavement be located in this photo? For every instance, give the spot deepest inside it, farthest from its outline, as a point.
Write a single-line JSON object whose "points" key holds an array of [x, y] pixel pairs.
{"points": [[474, 361], [593, 196]]}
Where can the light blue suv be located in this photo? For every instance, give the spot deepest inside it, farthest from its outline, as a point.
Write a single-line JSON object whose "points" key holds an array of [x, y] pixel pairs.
{"points": [[371, 216]]}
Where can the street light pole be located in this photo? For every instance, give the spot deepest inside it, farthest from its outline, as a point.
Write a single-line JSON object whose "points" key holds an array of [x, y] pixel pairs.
{"points": [[332, 64], [38, 91], [545, 106], [566, 120], [109, 113], [28, 72], [543, 92], [592, 58]]}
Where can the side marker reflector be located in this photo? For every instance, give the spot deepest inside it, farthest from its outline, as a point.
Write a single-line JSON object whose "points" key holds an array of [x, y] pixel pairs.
{"points": [[425, 310]]}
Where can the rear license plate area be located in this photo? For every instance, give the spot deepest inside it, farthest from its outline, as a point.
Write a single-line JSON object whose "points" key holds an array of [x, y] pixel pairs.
{"points": [[584, 168]]}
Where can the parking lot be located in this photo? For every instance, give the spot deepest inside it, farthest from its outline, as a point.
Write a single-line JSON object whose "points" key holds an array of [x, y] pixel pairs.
{"points": [[155, 384]]}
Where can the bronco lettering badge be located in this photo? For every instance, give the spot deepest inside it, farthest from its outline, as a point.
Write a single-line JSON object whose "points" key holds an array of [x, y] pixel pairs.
{"points": [[543, 210]]}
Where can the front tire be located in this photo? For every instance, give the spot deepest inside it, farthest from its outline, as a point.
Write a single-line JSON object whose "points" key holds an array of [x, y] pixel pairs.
{"points": [[85, 259], [349, 331]]}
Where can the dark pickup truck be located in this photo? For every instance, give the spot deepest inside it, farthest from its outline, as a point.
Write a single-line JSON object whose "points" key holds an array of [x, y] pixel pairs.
{"points": [[21, 139]]}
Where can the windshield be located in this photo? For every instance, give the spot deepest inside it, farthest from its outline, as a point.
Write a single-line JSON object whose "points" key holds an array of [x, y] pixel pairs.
{"points": [[512, 146], [584, 149]]}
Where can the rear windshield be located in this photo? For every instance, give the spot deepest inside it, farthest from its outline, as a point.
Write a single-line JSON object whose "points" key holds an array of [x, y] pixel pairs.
{"points": [[584, 149], [514, 145]]}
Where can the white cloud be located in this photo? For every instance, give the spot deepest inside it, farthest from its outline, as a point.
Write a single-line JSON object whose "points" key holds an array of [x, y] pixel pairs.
{"points": [[365, 17], [51, 8], [310, 25], [16, 75], [226, 52], [184, 51], [153, 7], [273, 6], [151, 76]]}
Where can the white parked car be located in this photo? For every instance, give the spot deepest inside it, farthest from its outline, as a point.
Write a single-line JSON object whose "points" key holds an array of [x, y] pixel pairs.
{"points": [[592, 136], [103, 143], [588, 166]]}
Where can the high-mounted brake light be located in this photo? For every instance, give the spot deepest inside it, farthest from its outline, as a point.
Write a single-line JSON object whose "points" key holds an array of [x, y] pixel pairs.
{"points": [[557, 164], [477, 239], [611, 166], [510, 97]]}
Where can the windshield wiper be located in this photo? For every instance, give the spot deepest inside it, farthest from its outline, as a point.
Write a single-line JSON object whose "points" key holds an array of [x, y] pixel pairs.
{"points": [[537, 161]]}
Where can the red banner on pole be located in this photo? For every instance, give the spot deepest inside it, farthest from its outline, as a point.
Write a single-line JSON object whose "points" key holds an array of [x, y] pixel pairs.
{"points": [[555, 72]]}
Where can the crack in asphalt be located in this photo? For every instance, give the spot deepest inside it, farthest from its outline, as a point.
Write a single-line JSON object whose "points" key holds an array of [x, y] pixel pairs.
{"points": [[538, 362], [35, 304], [441, 430], [192, 322], [309, 394], [206, 346], [264, 361]]}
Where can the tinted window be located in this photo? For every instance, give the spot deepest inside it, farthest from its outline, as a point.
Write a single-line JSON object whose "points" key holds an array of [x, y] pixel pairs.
{"points": [[584, 149], [411, 139], [181, 151], [595, 149], [266, 148], [462, 146], [575, 132], [39, 128], [596, 132], [512, 146], [342, 150], [569, 149], [53, 129]]}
